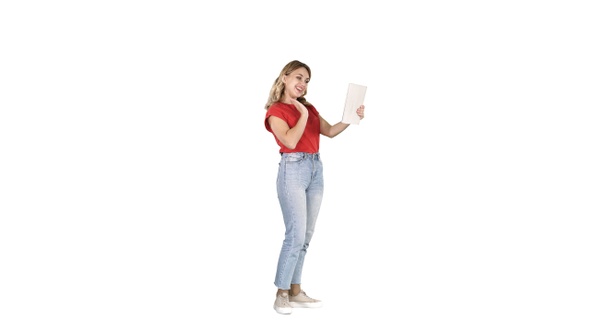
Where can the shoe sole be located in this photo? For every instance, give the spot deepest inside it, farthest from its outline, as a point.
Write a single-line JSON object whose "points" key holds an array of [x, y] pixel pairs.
{"points": [[305, 305], [282, 311]]}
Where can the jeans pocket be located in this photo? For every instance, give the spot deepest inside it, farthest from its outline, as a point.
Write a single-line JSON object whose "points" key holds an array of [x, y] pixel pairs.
{"points": [[293, 158]]}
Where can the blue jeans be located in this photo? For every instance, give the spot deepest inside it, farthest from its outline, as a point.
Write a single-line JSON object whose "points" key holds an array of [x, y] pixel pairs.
{"points": [[300, 188]]}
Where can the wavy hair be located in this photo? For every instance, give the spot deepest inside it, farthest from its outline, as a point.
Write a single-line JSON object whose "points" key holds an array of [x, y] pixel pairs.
{"points": [[278, 87]]}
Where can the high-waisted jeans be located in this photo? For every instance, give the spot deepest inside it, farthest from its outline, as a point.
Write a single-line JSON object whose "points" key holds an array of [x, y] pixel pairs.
{"points": [[300, 188]]}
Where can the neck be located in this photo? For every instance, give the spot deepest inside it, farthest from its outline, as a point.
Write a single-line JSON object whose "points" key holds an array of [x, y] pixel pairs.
{"points": [[285, 100]]}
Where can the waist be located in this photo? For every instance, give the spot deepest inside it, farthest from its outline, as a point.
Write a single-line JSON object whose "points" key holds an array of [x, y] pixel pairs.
{"points": [[300, 155]]}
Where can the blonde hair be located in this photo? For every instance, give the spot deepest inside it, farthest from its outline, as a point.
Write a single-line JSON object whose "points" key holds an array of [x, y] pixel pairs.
{"points": [[278, 87]]}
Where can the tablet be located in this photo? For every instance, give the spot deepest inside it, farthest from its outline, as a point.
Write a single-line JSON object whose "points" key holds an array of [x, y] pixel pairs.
{"points": [[355, 97]]}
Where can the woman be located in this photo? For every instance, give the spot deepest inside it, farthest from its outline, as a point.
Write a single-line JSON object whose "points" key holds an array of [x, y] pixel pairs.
{"points": [[296, 126]]}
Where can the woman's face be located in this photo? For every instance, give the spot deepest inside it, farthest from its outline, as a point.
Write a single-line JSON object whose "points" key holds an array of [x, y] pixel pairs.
{"points": [[296, 83]]}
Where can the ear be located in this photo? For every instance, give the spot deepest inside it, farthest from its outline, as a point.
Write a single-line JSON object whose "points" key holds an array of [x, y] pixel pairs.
{"points": [[284, 79]]}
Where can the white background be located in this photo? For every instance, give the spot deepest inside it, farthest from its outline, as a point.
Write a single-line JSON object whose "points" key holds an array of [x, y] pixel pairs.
{"points": [[137, 179]]}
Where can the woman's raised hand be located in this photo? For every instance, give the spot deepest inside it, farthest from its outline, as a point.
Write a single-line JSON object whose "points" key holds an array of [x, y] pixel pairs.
{"points": [[361, 111], [300, 107]]}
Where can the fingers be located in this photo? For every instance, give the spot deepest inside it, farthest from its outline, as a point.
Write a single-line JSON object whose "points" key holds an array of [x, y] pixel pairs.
{"points": [[361, 111]]}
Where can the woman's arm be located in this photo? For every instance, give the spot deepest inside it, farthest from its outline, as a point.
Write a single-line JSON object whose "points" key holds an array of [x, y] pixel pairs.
{"points": [[329, 130], [289, 137]]}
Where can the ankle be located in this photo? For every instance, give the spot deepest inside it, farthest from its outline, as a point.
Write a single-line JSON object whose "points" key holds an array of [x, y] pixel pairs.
{"points": [[295, 289]]}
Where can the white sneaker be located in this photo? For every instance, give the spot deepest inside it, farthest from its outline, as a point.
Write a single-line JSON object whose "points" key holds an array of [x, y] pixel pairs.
{"points": [[282, 305], [301, 300]]}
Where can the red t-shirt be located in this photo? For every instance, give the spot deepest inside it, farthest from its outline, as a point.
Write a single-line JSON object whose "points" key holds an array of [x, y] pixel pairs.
{"points": [[310, 140]]}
